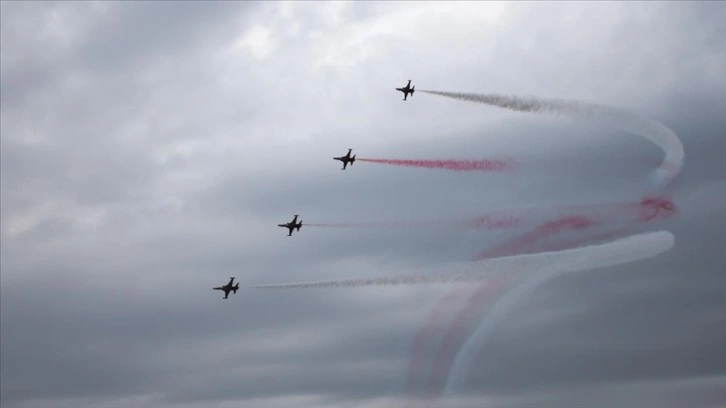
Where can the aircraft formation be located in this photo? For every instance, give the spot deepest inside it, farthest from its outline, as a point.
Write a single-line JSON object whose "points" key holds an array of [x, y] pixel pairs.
{"points": [[295, 225]]}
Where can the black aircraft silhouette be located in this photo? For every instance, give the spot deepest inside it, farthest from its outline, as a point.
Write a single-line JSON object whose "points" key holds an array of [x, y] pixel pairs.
{"points": [[226, 288], [346, 159], [291, 225], [406, 90]]}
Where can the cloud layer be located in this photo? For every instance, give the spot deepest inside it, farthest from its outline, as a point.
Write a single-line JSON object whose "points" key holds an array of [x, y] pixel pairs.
{"points": [[149, 149]]}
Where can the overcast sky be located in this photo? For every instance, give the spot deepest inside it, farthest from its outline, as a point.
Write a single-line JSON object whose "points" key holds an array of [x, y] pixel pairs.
{"points": [[149, 149]]}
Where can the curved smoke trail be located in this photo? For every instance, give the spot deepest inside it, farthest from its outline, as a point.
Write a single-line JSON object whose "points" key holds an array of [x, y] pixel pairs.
{"points": [[617, 252], [650, 244], [652, 130], [646, 210], [434, 320], [485, 292], [664, 176], [445, 354]]}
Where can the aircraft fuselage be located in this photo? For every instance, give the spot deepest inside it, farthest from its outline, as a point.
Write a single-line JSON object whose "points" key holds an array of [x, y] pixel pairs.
{"points": [[346, 159], [292, 225], [407, 90], [228, 288]]}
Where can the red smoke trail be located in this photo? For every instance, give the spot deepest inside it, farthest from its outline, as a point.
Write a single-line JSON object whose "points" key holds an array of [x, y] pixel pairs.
{"points": [[417, 348], [446, 352], [651, 207], [646, 210], [517, 245], [487, 291], [451, 164], [580, 218]]}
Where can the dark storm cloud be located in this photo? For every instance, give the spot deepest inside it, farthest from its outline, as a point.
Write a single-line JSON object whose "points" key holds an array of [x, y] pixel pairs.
{"points": [[149, 149]]}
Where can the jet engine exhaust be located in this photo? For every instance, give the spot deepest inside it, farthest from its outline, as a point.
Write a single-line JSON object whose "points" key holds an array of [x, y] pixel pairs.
{"points": [[613, 253], [499, 165], [647, 209], [379, 224]]}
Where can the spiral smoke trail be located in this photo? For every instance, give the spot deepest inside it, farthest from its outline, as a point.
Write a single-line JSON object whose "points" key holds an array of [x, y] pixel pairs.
{"points": [[663, 176], [643, 210], [619, 252]]}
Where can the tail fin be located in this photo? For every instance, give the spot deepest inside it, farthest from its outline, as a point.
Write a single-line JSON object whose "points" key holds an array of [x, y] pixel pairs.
{"points": [[412, 89], [352, 161], [234, 289]]}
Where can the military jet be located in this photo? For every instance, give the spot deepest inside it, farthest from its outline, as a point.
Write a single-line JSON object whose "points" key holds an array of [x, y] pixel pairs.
{"points": [[346, 159], [228, 287], [292, 225], [406, 90]]}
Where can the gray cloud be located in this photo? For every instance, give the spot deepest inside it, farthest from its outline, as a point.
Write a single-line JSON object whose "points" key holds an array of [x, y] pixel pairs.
{"points": [[148, 150]]}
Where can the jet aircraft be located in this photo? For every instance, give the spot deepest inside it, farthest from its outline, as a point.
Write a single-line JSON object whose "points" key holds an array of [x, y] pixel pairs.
{"points": [[346, 159], [228, 287], [291, 225], [407, 90]]}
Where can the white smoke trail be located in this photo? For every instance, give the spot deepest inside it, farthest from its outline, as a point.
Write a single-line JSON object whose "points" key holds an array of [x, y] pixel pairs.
{"points": [[652, 130], [597, 256], [628, 250]]}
